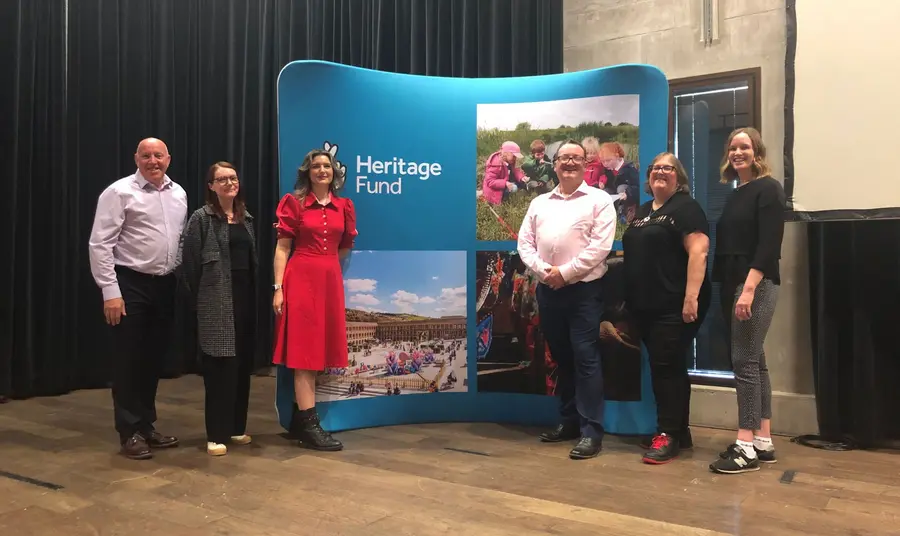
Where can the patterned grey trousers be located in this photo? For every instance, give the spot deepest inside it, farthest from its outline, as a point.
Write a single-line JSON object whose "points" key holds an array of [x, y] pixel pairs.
{"points": [[748, 358]]}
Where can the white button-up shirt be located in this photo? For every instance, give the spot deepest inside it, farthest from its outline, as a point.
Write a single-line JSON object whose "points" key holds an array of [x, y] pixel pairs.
{"points": [[573, 232]]}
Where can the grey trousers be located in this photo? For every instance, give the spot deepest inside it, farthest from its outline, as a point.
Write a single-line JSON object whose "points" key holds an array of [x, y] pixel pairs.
{"points": [[748, 358]]}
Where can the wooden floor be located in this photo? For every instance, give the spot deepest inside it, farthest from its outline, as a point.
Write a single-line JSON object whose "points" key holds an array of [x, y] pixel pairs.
{"points": [[420, 480]]}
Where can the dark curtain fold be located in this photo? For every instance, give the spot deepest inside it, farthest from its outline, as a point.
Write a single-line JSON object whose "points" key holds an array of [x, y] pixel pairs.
{"points": [[854, 295], [85, 81], [38, 267]]}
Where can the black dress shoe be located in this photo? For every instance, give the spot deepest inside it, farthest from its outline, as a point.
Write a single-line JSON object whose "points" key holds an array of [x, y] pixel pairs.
{"points": [[136, 448], [159, 441], [563, 432], [586, 448]]}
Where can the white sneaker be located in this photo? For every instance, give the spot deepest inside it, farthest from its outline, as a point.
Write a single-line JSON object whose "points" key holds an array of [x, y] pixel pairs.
{"points": [[216, 449], [241, 439]]}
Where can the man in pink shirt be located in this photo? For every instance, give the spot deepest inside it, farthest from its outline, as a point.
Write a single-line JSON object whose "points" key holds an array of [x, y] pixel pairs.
{"points": [[564, 239]]}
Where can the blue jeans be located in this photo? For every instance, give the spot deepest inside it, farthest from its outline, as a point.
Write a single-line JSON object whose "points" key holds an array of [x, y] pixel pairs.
{"points": [[570, 320]]}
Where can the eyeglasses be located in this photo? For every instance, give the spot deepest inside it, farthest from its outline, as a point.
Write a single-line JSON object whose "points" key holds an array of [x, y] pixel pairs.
{"points": [[564, 158], [223, 180], [664, 168]]}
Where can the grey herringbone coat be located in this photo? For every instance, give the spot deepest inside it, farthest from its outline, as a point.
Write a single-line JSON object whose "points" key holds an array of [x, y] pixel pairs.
{"points": [[206, 271]]}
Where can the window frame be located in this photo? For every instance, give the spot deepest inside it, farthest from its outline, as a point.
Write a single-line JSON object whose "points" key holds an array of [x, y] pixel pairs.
{"points": [[711, 381], [752, 78]]}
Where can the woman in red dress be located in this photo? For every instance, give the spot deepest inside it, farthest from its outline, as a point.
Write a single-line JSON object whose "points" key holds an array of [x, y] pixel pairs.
{"points": [[310, 330]]}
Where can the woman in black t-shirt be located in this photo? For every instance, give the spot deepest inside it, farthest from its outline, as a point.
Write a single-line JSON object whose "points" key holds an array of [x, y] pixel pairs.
{"points": [[748, 249], [668, 293], [219, 267]]}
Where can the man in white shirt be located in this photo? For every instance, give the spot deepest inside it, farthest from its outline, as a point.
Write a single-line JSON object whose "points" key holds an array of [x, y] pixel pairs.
{"points": [[564, 239], [134, 252]]}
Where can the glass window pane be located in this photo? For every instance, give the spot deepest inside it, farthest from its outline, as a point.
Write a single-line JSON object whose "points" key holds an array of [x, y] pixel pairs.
{"points": [[703, 117]]}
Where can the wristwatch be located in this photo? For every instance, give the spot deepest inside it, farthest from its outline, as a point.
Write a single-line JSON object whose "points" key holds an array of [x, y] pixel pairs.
{"points": [[276, 287]]}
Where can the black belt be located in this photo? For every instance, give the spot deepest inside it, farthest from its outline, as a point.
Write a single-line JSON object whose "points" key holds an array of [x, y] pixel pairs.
{"points": [[143, 274]]}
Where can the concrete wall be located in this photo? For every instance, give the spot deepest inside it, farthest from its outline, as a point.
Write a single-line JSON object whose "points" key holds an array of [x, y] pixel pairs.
{"points": [[666, 33]]}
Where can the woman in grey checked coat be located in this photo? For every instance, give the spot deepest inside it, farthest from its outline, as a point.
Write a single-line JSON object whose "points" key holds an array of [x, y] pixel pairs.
{"points": [[219, 266]]}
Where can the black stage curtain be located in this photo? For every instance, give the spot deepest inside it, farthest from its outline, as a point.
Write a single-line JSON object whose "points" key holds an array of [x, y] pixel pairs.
{"points": [[85, 81], [855, 313]]}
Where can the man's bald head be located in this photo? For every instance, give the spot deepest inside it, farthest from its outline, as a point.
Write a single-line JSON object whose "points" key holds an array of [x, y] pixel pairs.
{"points": [[152, 159], [153, 143]]}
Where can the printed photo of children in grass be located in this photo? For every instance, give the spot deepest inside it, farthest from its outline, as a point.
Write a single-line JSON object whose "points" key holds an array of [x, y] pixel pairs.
{"points": [[516, 143]]}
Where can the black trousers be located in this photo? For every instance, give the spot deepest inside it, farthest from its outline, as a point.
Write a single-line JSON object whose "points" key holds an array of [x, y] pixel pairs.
{"points": [[140, 343], [667, 339], [227, 379], [570, 320]]}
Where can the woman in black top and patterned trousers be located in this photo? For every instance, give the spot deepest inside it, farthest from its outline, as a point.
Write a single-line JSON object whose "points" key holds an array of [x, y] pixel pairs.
{"points": [[667, 292], [219, 265], [746, 264]]}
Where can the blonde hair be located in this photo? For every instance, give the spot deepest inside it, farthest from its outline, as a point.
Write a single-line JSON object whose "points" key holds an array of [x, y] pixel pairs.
{"points": [[303, 185], [759, 166], [591, 145]]}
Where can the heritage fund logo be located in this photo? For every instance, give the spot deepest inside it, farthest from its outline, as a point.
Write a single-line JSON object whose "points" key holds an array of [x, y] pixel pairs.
{"points": [[385, 176]]}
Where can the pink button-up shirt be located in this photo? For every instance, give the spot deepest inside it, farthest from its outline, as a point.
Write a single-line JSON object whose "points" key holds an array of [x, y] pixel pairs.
{"points": [[138, 226], [573, 232]]}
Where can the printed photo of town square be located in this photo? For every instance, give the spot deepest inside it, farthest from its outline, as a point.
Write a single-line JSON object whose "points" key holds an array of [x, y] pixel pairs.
{"points": [[406, 326]]}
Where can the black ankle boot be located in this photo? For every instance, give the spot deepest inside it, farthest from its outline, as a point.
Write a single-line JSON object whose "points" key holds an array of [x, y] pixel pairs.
{"points": [[296, 423], [310, 434]]}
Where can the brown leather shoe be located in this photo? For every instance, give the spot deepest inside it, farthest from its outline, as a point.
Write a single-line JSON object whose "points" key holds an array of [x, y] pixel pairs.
{"points": [[136, 448], [159, 441]]}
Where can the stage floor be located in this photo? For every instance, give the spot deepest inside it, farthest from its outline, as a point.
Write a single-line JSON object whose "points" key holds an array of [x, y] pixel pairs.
{"points": [[478, 479]]}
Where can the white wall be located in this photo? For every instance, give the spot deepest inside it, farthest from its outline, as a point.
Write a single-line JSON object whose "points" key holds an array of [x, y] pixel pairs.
{"points": [[666, 33], [848, 82]]}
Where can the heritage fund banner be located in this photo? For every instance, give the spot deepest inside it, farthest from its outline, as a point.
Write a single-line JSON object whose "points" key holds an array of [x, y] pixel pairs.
{"points": [[441, 325]]}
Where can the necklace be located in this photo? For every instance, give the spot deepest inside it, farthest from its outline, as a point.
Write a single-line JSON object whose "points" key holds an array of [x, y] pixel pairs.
{"points": [[653, 211]]}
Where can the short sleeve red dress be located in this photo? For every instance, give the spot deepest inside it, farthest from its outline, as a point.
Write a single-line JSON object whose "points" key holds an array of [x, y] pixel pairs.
{"points": [[310, 334]]}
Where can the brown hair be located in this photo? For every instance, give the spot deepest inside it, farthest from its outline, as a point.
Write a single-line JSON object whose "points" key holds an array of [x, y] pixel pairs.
{"points": [[759, 166], [538, 146], [303, 184], [569, 141], [681, 176], [212, 199]]}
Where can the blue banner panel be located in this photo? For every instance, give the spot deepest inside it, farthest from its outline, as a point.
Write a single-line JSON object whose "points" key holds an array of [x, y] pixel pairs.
{"points": [[441, 171]]}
